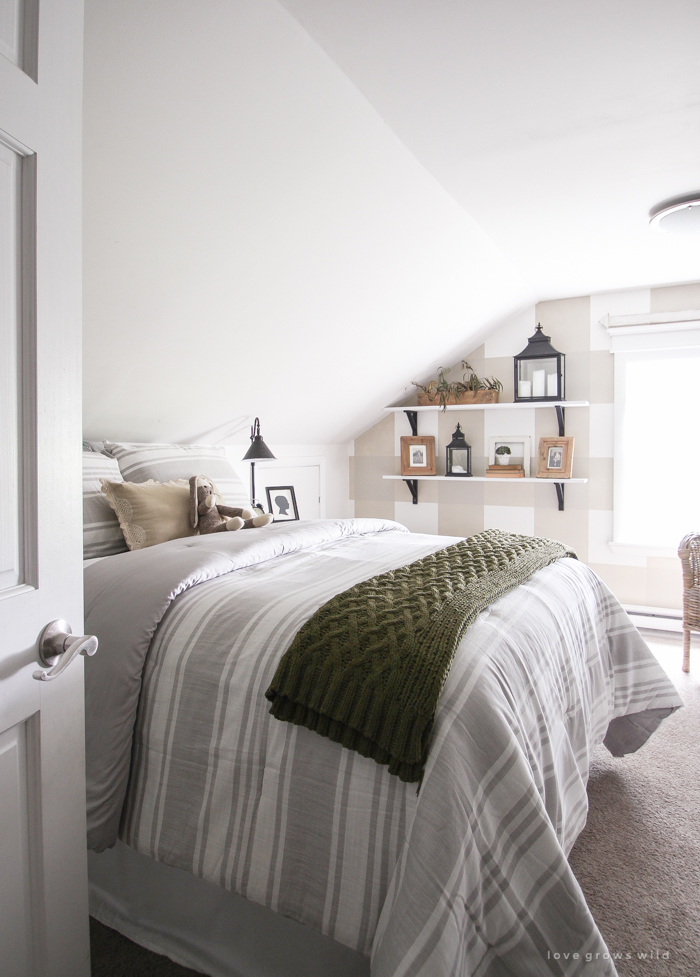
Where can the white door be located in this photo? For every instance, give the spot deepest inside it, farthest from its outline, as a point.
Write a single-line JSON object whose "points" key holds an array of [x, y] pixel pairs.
{"points": [[304, 478], [43, 888]]}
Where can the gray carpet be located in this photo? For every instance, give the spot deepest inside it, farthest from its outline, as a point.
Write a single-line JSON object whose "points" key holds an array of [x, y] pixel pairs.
{"points": [[638, 859], [113, 955]]}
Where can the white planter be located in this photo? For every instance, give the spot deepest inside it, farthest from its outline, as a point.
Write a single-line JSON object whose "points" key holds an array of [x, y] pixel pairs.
{"points": [[503, 459]]}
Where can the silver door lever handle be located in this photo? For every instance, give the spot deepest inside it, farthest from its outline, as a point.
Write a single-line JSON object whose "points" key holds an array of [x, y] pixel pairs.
{"points": [[58, 646]]}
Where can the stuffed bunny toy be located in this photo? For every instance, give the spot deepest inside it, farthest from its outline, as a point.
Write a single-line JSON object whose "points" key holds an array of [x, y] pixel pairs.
{"points": [[209, 516]]}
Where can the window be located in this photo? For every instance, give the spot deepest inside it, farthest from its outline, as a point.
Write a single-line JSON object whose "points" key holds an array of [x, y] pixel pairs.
{"points": [[657, 438]]}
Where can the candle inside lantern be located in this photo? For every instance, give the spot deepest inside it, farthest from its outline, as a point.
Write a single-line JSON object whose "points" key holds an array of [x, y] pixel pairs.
{"points": [[552, 385], [524, 388], [538, 383]]}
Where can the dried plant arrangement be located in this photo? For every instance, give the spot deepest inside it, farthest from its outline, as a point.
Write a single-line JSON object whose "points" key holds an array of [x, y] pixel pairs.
{"points": [[471, 389]]}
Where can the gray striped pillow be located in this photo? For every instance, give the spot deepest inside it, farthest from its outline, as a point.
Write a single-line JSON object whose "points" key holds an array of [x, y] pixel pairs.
{"points": [[102, 535], [167, 462]]}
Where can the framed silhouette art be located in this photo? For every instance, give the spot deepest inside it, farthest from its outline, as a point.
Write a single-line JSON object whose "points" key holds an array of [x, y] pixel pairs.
{"points": [[282, 503]]}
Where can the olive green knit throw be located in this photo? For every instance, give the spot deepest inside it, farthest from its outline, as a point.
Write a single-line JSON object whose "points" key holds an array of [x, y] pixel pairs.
{"points": [[367, 669]]}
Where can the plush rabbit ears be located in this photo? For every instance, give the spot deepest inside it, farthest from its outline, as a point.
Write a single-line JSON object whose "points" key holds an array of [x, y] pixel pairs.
{"points": [[194, 513]]}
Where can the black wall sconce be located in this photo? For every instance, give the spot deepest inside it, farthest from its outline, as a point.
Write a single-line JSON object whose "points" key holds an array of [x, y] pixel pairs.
{"points": [[256, 452]]}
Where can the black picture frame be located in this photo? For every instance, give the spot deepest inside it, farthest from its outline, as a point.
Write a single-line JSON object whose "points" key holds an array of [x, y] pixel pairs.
{"points": [[273, 506]]}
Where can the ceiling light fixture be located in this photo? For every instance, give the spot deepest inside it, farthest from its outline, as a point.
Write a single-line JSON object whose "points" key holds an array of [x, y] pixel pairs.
{"points": [[677, 215]]}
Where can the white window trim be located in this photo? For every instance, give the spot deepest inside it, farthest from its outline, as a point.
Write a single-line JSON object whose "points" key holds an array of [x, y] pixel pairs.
{"points": [[631, 334], [655, 330]]}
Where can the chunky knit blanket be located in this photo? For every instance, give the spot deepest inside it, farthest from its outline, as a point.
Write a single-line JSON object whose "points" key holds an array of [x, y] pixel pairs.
{"points": [[367, 669]]}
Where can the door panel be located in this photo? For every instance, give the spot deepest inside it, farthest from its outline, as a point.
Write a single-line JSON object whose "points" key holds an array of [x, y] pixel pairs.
{"points": [[10, 331], [11, 30], [16, 917], [18, 33], [43, 878]]}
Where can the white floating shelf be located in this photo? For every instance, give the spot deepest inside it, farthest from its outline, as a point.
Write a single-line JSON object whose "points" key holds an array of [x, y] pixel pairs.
{"points": [[518, 406], [483, 478], [411, 410]]}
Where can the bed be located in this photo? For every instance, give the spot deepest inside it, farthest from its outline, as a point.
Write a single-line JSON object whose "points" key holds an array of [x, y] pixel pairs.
{"points": [[243, 846]]}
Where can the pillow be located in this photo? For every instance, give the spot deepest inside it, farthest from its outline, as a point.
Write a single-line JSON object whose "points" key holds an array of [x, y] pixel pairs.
{"points": [[101, 533], [150, 512], [93, 446], [165, 462]]}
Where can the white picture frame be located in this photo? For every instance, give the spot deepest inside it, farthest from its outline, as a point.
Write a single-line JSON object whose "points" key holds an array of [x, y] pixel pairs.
{"points": [[519, 445]]}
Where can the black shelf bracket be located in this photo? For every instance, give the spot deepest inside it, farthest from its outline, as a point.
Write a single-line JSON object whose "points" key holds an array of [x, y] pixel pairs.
{"points": [[412, 416], [559, 486], [560, 420], [412, 487]]}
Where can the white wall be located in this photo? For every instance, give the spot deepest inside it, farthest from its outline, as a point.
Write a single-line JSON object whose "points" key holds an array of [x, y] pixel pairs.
{"points": [[334, 476], [257, 241], [555, 125]]}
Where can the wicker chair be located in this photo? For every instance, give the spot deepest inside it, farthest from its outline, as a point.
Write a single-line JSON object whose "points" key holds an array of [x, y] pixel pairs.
{"points": [[689, 552]]}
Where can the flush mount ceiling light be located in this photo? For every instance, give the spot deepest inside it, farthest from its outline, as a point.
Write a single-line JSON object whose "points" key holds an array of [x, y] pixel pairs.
{"points": [[677, 215]]}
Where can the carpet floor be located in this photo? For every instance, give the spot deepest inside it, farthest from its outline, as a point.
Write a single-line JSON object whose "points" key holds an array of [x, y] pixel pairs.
{"points": [[637, 860]]}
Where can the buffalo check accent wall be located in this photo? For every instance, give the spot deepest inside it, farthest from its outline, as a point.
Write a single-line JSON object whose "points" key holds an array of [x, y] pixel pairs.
{"points": [[586, 524]]}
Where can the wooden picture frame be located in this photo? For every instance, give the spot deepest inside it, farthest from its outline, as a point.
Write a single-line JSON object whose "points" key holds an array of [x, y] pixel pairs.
{"points": [[282, 503], [418, 456], [555, 458]]}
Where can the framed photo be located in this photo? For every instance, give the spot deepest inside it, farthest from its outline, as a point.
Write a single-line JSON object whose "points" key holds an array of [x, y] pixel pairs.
{"points": [[555, 458], [519, 445], [418, 456], [282, 503]]}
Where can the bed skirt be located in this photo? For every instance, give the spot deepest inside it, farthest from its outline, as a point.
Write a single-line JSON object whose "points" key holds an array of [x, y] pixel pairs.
{"points": [[205, 927]]}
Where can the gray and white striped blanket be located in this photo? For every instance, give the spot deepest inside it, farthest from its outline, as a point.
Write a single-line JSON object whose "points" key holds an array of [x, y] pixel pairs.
{"points": [[467, 877]]}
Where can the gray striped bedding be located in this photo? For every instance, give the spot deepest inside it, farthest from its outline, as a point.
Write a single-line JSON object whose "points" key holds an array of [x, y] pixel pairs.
{"points": [[102, 535], [466, 877], [166, 462]]}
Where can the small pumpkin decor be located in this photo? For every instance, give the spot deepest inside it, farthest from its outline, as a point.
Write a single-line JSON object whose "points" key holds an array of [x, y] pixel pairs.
{"points": [[470, 389]]}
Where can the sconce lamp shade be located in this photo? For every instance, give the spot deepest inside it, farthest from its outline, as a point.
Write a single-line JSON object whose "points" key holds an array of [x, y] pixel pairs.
{"points": [[539, 370], [458, 455], [258, 449]]}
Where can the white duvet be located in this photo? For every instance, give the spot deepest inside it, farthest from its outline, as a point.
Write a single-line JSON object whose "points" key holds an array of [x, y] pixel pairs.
{"points": [[469, 876]]}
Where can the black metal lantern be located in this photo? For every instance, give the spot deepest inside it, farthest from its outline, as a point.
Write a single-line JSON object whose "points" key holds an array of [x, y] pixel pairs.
{"points": [[458, 455], [538, 370]]}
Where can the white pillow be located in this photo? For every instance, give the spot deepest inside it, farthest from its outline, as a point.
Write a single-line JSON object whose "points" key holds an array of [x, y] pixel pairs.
{"points": [[102, 535], [167, 462]]}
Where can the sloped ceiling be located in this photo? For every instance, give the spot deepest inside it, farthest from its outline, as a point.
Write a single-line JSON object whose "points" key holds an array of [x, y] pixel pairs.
{"points": [[556, 124], [294, 209]]}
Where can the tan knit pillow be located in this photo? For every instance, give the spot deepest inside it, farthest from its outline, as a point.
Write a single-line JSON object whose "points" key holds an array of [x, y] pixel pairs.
{"points": [[150, 512]]}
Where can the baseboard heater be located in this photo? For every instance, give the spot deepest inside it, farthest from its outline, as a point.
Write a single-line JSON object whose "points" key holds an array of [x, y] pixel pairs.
{"points": [[655, 618]]}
